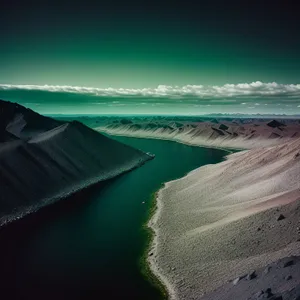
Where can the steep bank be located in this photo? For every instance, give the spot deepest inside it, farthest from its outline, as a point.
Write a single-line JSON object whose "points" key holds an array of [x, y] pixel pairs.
{"points": [[40, 166], [221, 221]]}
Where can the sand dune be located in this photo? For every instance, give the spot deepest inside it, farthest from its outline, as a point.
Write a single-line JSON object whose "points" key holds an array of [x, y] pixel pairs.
{"points": [[221, 221], [38, 170]]}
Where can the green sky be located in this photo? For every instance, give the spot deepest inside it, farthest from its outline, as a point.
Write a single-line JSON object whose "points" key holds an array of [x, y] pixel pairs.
{"points": [[144, 44], [137, 62]]}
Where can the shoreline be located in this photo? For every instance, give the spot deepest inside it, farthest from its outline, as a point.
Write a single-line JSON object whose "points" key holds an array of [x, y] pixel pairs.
{"points": [[227, 149], [147, 263], [86, 184], [167, 261], [163, 271], [148, 266], [144, 259], [153, 244]]}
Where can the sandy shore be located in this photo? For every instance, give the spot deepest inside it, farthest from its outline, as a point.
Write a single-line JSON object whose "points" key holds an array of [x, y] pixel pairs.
{"points": [[221, 221]]}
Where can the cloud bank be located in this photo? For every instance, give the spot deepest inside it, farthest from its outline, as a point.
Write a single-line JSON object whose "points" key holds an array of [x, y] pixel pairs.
{"points": [[254, 89]]}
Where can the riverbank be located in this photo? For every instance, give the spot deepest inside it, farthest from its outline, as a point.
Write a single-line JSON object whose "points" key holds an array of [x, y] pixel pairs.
{"points": [[256, 195], [144, 260], [147, 261], [220, 221], [151, 250]]}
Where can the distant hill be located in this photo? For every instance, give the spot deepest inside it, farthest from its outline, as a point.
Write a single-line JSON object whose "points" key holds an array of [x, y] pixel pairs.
{"points": [[236, 133]]}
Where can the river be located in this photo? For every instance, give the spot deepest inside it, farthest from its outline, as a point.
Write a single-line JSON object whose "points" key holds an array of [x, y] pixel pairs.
{"points": [[89, 245]]}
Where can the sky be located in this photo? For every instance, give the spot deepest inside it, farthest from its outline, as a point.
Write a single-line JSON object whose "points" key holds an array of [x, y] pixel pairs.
{"points": [[151, 56]]}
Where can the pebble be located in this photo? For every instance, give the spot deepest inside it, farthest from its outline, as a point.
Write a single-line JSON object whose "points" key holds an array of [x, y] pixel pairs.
{"points": [[235, 281], [251, 275], [288, 263]]}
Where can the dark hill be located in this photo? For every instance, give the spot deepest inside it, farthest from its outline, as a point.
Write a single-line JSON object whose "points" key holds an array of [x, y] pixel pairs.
{"points": [[52, 164], [22, 121]]}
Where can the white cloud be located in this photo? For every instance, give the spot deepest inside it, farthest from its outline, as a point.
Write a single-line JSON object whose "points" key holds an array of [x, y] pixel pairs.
{"points": [[254, 89]]}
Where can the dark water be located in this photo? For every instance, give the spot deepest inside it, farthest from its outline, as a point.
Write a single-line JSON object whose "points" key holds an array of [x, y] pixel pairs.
{"points": [[88, 246]]}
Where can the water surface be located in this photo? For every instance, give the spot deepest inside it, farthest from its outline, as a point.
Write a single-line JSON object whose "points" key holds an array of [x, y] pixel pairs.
{"points": [[88, 246]]}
